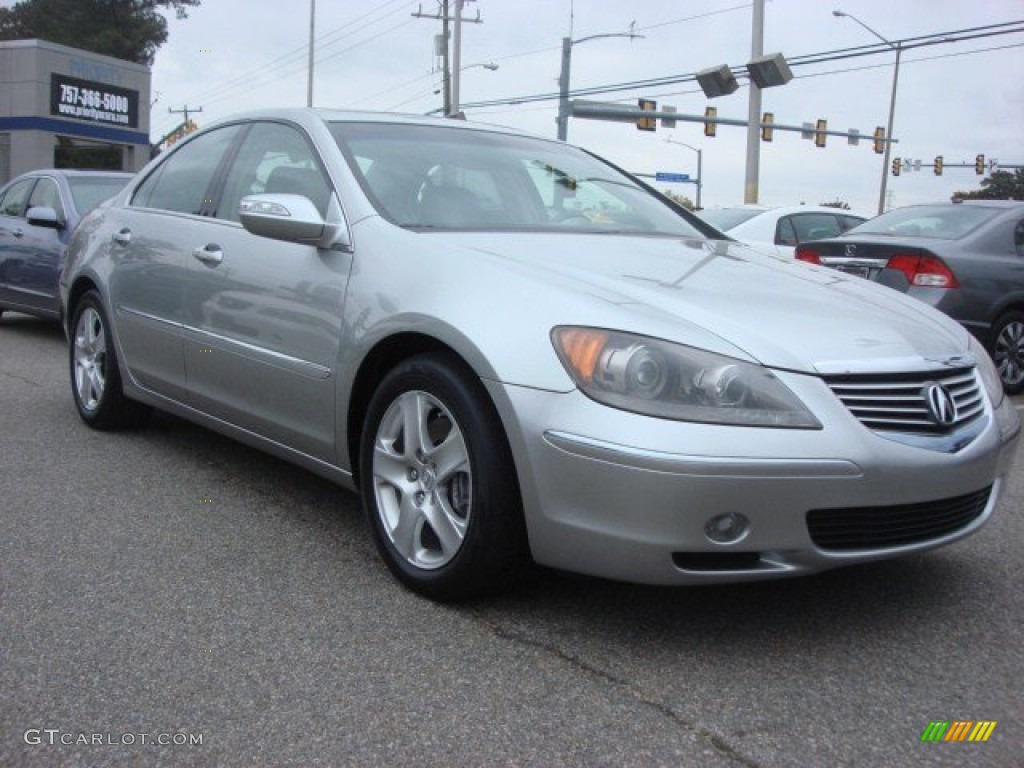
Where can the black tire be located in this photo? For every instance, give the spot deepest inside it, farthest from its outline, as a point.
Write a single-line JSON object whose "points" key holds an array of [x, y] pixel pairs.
{"points": [[1007, 350], [444, 510], [95, 376]]}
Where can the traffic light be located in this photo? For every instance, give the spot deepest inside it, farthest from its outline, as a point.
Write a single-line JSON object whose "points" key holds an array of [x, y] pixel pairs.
{"points": [[896, 165], [819, 133], [938, 165], [647, 123], [979, 165], [709, 128], [768, 119], [879, 140]]}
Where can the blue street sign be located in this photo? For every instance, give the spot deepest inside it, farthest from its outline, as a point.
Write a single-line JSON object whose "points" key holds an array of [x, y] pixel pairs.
{"points": [[665, 176]]}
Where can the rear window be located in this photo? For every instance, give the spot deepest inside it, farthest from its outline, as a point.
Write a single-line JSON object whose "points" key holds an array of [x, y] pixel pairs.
{"points": [[943, 222]]}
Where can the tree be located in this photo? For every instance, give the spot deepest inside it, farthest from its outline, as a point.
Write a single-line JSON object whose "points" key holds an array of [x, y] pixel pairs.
{"points": [[837, 203], [132, 30], [682, 200], [999, 185]]}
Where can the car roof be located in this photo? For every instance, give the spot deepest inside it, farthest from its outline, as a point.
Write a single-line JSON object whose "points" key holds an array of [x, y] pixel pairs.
{"points": [[787, 209], [307, 116], [72, 173], [987, 203]]}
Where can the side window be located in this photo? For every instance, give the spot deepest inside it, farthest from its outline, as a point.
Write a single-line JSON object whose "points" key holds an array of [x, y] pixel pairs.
{"points": [[784, 232], [46, 194], [182, 181], [13, 203], [274, 158], [815, 226]]}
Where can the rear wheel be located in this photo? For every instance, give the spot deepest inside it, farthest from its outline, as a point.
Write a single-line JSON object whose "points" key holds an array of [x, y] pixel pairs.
{"points": [[95, 377], [1008, 351], [438, 482]]}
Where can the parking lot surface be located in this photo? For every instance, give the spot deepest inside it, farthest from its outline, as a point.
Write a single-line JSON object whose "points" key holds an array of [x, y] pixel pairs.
{"points": [[168, 585]]}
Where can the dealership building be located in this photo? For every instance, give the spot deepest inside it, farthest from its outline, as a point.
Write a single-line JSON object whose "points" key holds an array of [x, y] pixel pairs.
{"points": [[62, 107]]}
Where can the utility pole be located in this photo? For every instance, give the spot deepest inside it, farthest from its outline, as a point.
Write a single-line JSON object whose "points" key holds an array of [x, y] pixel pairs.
{"points": [[309, 81], [450, 75], [446, 70], [750, 188], [184, 111]]}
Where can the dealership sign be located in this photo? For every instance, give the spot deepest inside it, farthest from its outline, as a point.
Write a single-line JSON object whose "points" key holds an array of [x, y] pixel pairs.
{"points": [[96, 102]]}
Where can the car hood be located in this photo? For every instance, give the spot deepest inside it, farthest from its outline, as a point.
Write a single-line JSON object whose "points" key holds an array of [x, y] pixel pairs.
{"points": [[782, 313]]}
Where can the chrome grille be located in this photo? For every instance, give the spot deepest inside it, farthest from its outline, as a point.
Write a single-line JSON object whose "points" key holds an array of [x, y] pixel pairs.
{"points": [[897, 402]]}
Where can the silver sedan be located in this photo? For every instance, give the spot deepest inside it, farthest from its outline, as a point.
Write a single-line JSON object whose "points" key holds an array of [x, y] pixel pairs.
{"points": [[518, 353]]}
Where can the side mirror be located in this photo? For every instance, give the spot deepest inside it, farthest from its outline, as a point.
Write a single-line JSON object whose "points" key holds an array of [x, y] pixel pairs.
{"points": [[292, 218], [44, 216]]}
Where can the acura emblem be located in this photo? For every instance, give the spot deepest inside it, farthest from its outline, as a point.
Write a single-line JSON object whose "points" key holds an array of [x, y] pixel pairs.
{"points": [[851, 250], [941, 405]]}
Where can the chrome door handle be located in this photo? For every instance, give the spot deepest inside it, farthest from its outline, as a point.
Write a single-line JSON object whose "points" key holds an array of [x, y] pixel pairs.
{"points": [[18, 233], [210, 254], [122, 237]]}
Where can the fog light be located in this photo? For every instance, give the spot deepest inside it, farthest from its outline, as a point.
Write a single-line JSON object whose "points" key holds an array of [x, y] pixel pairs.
{"points": [[727, 528]]}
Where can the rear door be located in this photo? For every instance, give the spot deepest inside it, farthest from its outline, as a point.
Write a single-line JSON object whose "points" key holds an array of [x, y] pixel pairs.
{"points": [[150, 243], [13, 246]]}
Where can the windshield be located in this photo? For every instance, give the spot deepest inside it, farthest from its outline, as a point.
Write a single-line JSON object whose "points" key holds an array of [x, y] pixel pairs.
{"points": [[455, 178], [727, 218], [944, 222], [90, 191]]}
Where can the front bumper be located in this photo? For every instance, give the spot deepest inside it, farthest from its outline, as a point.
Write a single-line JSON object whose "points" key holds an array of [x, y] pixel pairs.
{"points": [[628, 497]]}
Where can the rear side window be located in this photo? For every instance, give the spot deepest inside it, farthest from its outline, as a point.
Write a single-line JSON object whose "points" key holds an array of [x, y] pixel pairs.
{"points": [[182, 181]]}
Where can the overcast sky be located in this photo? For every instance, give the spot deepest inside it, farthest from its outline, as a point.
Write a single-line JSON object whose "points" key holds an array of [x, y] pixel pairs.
{"points": [[373, 54]]}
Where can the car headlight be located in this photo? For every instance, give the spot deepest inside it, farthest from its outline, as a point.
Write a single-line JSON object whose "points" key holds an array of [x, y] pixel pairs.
{"points": [[989, 374], [672, 381]]}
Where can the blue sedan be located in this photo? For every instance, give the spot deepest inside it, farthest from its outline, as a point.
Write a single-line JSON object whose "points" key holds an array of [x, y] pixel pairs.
{"points": [[38, 212]]}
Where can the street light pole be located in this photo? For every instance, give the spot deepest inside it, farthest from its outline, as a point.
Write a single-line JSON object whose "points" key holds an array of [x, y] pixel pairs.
{"points": [[563, 77], [898, 47], [700, 155]]}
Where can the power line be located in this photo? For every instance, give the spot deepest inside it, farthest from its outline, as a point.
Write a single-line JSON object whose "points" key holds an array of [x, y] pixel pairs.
{"points": [[798, 61]]}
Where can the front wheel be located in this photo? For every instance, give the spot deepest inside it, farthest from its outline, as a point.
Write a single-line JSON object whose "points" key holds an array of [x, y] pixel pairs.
{"points": [[1008, 351], [438, 482], [95, 378]]}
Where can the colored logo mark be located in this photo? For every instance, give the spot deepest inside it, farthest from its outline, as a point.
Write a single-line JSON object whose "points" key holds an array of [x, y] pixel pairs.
{"points": [[958, 730]]}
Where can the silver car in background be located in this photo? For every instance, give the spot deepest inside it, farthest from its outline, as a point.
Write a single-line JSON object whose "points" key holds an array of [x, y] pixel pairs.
{"points": [[516, 351]]}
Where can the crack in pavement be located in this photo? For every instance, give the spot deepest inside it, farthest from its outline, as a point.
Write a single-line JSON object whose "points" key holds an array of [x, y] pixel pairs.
{"points": [[16, 377], [702, 734]]}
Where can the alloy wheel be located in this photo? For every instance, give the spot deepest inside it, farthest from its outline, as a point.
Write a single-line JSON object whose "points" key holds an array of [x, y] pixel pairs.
{"points": [[90, 359], [422, 480], [1008, 353]]}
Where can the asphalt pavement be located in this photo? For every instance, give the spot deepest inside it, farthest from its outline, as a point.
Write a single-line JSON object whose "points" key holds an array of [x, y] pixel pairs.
{"points": [[169, 585]]}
